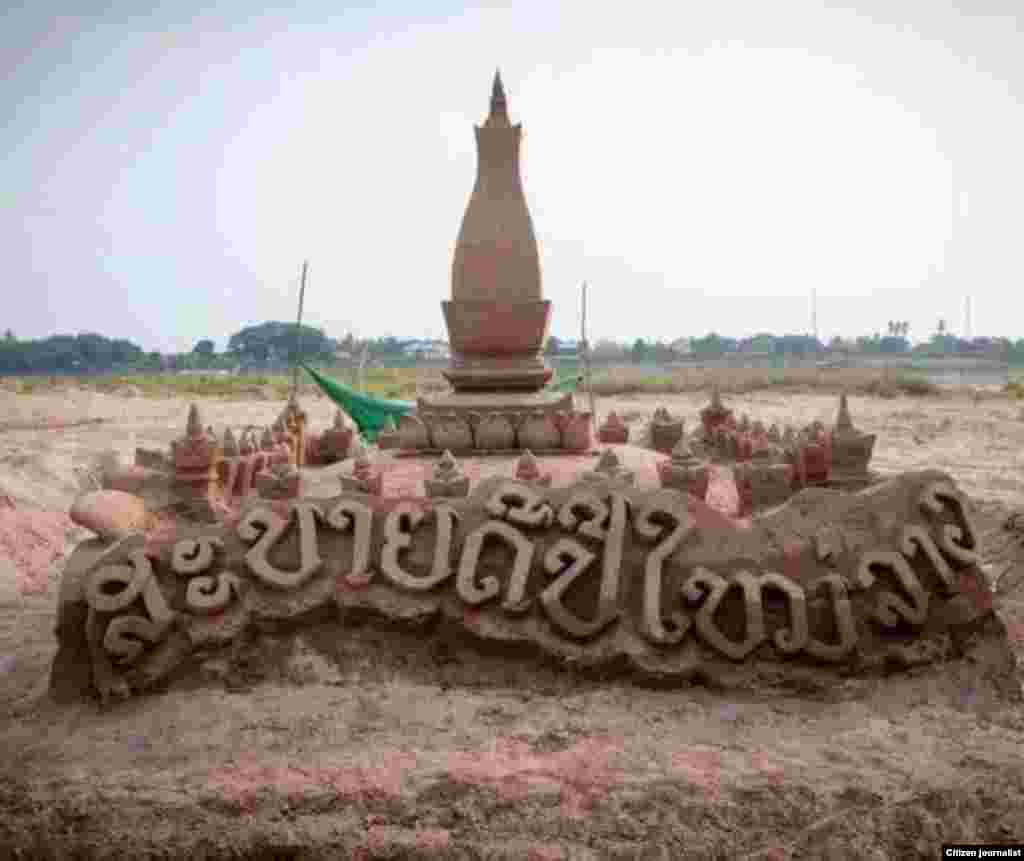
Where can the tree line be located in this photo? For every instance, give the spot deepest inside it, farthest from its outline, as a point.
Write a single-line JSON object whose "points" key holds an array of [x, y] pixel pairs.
{"points": [[271, 345], [266, 345]]}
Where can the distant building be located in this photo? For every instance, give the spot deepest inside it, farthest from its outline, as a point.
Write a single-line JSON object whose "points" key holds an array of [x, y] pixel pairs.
{"points": [[426, 350]]}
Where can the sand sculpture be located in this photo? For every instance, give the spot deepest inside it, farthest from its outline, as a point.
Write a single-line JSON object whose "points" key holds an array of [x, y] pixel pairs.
{"points": [[769, 466], [364, 477], [597, 574], [613, 431], [201, 472], [665, 431], [497, 320], [528, 471], [448, 481], [685, 471], [602, 572]]}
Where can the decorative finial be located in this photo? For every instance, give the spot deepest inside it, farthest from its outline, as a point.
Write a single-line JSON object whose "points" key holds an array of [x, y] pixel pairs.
{"points": [[498, 115], [497, 90], [339, 420], [608, 461], [446, 466], [230, 444], [267, 440], [716, 398], [194, 425], [526, 466], [844, 422]]}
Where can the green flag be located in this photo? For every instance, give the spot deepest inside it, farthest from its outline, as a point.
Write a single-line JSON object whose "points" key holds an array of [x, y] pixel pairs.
{"points": [[369, 414]]}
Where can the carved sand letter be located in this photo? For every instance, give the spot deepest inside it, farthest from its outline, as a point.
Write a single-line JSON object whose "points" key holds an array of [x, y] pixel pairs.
{"points": [[124, 633], [591, 504], [521, 504], [613, 535], [194, 555], [569, 559], [465, 583], [918, 538], [789, 640], [703, 581], [266, 528], [653, 625], [959, 542], [401, 522], [845, 626], [208, 594], [348, 514], [890, 605]]}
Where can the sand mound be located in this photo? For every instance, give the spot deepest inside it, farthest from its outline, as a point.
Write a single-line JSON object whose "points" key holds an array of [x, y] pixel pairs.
{"points": [[32, 541]]}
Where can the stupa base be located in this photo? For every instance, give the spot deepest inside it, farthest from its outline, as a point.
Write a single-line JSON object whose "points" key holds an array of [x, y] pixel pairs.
{"points": [[508, 422], [519, 376], [483, 403]]}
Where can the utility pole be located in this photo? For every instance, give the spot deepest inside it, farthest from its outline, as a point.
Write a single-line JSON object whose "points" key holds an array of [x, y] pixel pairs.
{"points": [[585, 350], [298, 332], [814, 313]]}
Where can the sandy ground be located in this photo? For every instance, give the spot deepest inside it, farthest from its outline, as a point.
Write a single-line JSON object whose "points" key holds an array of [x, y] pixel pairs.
{"points": [[360, 743]]}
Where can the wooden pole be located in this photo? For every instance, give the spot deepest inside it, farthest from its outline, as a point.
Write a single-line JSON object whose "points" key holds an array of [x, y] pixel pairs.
{"points": [[585, 351], [298, 332], [362, 367]]}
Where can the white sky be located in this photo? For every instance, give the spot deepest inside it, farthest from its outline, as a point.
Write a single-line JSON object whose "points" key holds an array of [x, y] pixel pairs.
{"points": [[703, 166]]}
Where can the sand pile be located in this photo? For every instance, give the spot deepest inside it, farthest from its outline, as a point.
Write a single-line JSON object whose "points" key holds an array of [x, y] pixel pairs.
{"points": [[31, 542]]}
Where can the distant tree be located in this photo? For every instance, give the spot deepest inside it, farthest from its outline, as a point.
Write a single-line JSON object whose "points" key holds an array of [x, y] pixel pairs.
{"points": [[942, 326], [66, 354], [9, 335], [276, 341], [661, 352], [711, 344], [204, 347], [639, 350], [763, 342], [796, 345]]}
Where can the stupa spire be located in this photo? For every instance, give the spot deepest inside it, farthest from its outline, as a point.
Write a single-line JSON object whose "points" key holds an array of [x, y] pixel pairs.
{"points": [[499, 105], [194, 423]]}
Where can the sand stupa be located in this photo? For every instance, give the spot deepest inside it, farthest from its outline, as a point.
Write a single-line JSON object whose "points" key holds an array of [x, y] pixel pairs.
{"points": [[497, 317]]}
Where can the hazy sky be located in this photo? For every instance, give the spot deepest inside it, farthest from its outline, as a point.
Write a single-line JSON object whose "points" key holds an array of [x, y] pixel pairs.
{"points": [[703, 166]]}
